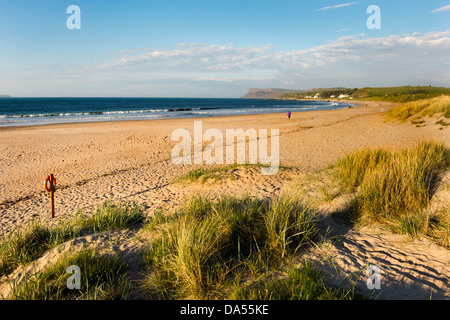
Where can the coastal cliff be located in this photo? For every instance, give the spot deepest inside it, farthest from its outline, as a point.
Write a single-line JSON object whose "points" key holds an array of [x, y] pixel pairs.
{"points": [[270, 93]]}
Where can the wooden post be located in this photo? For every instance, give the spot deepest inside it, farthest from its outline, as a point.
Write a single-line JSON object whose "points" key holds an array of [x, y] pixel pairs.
{"points": [[52, 195], [49, 186]]}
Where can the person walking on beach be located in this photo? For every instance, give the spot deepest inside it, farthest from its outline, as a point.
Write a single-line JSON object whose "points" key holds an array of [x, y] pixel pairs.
{"points": [[289, 115]]}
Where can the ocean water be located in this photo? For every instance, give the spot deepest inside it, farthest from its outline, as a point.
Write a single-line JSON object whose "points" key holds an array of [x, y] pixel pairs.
{"points": [[39, 111]]}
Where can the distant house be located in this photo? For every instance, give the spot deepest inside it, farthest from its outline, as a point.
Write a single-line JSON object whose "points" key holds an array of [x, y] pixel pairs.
{"points": [[316, 96], [332, 96], [308, 97], [343, 96]]}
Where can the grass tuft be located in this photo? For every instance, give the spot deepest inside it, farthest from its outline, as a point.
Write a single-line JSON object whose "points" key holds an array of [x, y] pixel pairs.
{"points": [[289, 224], [110, 215], [442, 123], [392, 184], [353, 168], [305, 283], [204, 174], [395, 188], [440, 230], [404, 183], [216, 174], [24, 245], [421, 108], [212, 242], [101, 278]]}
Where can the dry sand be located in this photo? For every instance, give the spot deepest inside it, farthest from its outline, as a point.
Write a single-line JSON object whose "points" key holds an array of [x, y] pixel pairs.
{"points": [[131, 161]]}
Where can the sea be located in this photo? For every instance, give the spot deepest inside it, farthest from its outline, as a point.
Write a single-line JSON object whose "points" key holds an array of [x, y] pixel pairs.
{"points": [[40, 111]]}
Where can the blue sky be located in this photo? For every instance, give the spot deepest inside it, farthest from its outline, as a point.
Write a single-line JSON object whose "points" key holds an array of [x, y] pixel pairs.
{"points": [[215, 48]]}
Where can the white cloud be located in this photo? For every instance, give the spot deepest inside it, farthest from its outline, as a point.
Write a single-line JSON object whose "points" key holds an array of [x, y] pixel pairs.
{"points": [[343, 30], [395, 59], [338, 6], [195, 56], [442, 9], [190, 69]]}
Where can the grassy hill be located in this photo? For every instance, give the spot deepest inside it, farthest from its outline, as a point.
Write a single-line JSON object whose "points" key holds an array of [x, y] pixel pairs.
{"points": [[400, 94], [391, 94], [270, 93]]}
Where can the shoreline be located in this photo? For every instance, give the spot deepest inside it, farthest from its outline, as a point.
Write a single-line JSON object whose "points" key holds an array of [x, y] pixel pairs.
{"points": [[225, 117]]}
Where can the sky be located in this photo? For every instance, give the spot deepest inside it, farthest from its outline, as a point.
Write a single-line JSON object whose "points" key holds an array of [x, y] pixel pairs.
{"points": [[218, 48]]}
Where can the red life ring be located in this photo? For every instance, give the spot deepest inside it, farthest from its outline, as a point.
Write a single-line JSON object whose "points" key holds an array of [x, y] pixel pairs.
{"points": [[50, 182]]}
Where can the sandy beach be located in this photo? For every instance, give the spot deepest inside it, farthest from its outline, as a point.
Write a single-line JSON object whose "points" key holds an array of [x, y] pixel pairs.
{"points": [[131, 161]]}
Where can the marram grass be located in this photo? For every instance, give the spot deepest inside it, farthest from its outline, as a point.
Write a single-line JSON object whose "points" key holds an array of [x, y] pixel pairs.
{"points": [[213, 242], [418, 109], [405, 182], [23, 245], [353, 168], [216, 174], [395, 188], [26, 244], [110, 215], [101, 278], [301, 283]]}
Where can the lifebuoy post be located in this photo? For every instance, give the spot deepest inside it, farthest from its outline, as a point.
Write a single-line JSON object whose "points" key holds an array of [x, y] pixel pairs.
{"points": [[52, 196], [49, 186]]}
